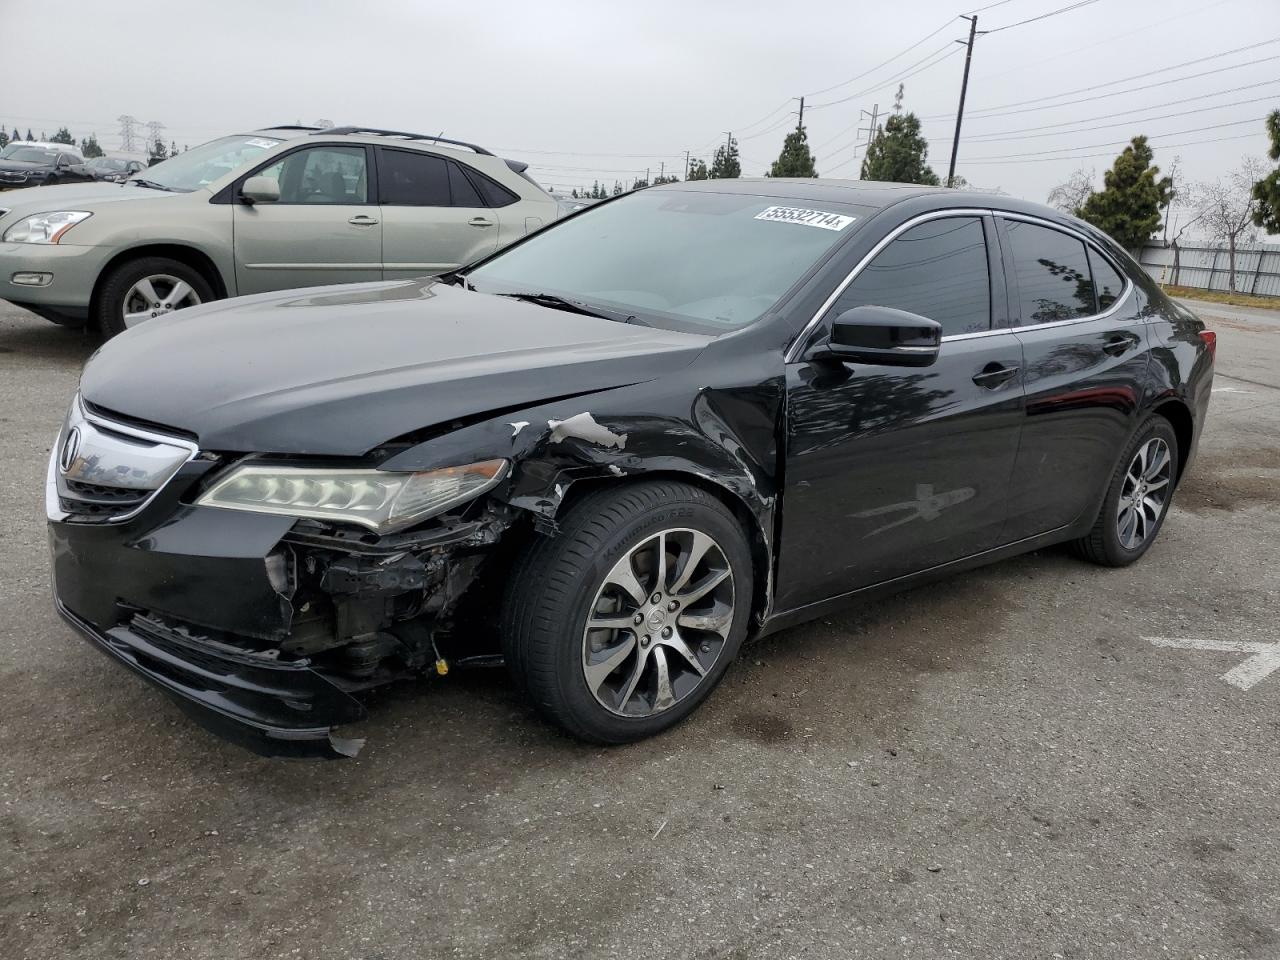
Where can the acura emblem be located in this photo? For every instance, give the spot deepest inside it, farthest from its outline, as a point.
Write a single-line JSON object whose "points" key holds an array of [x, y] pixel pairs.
{"points": [[70, 447]]}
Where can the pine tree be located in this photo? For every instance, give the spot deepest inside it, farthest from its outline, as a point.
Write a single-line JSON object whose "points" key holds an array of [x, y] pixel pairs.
{"points": [[173, 148], [1267, 190], [795, 159], [640, 183], [897, 152], [90, 147], [617, 188], [1128, 205], [16, 136], [4, 139], [726, 165], [158, 151], [698, 170], [63, 136], [30, 138]]}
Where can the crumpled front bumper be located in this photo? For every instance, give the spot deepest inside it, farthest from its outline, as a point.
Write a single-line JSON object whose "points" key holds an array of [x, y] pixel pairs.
{"points": [[272, 708]]}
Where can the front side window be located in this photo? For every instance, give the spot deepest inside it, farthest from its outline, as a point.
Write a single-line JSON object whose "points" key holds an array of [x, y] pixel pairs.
{"points": [[676, 258], [321, 175], [1052, 273], [413, 179], [937, 269]]}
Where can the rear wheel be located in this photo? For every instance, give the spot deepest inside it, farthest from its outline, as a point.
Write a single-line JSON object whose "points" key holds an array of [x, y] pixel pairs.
{"points": [[1137, 499], [623, 623], [147, 288]]}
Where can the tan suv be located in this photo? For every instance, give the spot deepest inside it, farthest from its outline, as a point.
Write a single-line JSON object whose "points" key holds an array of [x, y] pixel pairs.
{"points": [[277, 208]]}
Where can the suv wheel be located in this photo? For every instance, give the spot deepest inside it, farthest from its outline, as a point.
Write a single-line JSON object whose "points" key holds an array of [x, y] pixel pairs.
{"points": [[146, 288], [620, 625], [1137, 499]]}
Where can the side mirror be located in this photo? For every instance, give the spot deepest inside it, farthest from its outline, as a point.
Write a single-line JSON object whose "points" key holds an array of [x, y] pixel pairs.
{"points": [[260, 190], [882, 336]]}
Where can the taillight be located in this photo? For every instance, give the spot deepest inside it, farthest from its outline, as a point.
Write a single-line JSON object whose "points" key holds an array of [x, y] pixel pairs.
{"points": [[1210, 340]]}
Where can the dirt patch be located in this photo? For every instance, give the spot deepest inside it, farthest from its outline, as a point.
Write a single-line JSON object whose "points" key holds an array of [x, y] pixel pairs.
{"points": [[763, 728], [1246, 479]]}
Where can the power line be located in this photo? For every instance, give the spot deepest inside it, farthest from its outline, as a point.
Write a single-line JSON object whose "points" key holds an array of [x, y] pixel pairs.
{"points": [[1114, 143], [1136, 76], [1120, 113], [1045, 16], [946, 50], [1089, 156], [834, 86]]}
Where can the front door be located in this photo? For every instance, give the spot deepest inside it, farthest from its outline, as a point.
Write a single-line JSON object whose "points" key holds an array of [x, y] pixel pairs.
{"points": [[323, 229], [434, 219], [1085, 344], [892, 470]]}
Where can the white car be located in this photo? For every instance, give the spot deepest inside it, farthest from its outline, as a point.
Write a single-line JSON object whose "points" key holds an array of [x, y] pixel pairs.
{"points": [[274, 209]]}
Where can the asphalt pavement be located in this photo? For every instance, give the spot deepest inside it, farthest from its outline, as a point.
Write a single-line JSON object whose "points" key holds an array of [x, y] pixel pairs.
{"points": [[1042, 759]]}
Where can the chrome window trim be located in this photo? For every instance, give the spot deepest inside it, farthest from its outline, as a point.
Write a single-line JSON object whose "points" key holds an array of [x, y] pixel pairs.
{"points": [[53, 507], [793, 351]]}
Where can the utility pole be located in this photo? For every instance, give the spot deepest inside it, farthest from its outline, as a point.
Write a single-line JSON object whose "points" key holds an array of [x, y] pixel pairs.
{"points": [[800, 124], [964, 88], [662, 170], [686, 164]]}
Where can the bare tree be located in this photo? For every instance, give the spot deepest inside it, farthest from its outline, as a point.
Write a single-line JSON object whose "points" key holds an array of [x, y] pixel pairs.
{"points": [[1071, 195], [1176, 244], [1225, 207]]}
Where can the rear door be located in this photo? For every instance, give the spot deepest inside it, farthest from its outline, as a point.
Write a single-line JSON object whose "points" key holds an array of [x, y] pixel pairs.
{"points": [[892, 470], [325, 228], [434, 217], [1085, 347]]}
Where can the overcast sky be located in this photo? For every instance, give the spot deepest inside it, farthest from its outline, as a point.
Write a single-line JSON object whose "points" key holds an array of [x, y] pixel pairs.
{"points": [[587, 90]]}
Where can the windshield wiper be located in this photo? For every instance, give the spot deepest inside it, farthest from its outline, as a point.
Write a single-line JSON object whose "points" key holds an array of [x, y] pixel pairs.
{"points": [[150, 184], [557, 302]]}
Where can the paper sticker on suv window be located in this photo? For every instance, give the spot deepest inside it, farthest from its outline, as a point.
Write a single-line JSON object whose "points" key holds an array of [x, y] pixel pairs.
{"points": [[807, 218], [263, 143]]}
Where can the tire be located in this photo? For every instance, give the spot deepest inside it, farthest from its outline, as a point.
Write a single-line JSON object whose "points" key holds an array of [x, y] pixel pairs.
{"points": [[121, 282], [1106, 543], [559, 581]]}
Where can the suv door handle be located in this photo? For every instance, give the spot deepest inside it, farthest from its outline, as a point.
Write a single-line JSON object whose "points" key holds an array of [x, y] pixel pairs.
{"points": [[363, 221], [994, 375], [1119, 344], [480, 222]]}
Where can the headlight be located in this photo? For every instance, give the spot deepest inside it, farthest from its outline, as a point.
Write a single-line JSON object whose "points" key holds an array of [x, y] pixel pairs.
{"points": [[44, 227], [382, 501]]}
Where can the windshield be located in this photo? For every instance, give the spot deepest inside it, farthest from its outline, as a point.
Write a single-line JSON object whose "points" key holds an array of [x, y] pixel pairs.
{"points": [[106, 163], [708, 262], [17, 151], [206, 163]]}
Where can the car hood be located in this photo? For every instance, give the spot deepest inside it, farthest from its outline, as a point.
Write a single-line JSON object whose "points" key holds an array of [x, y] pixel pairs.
{"points": [[339, 370], [24, 165], [79, 196]]}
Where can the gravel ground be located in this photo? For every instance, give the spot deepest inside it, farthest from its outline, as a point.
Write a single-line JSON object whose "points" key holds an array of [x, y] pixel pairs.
{"points": [[996, 766]]}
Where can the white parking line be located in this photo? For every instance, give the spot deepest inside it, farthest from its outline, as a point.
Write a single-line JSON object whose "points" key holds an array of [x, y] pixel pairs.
{"points": [[1264, 661]]}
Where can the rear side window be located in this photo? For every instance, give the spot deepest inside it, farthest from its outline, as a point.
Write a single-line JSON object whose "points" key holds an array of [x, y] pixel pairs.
{"points": [[1052, 273], [937, 269], [1107, 282], [494, 194], [413, 179], [461, 192]]}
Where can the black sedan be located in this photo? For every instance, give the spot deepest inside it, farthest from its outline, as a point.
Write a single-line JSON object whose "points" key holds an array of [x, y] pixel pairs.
{"points": [[38, 165], [108, 169], [612, 452]]}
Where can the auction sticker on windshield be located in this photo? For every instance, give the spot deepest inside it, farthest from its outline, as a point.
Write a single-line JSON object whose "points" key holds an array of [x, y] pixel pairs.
{"points": [[807, 218]]}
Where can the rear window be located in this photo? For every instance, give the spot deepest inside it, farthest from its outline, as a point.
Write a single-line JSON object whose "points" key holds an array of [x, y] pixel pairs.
{"points": [[1052, 273], [1106, 280]]}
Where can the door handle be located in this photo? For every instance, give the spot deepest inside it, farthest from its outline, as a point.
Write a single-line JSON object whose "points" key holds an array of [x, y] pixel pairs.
{"points": [[363, 221], [480, 222], [994, 375], [1120, 344]]}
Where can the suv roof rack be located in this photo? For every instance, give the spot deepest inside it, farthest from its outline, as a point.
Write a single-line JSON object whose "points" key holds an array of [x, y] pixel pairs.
{"points": [[289, 126], [402, 135]]}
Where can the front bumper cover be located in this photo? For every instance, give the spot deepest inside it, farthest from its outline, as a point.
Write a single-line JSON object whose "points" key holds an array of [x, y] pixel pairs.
{"points": [[274, 709]]}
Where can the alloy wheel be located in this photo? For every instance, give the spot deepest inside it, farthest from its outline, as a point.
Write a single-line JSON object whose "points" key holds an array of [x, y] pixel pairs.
{"points": [[1144, 494], [659, 623], [156, 296]]}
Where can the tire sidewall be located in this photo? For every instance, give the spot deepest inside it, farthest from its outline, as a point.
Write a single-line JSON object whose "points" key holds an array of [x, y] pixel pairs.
{"points": [[705, 517], [110, 319], [1119, 554]]}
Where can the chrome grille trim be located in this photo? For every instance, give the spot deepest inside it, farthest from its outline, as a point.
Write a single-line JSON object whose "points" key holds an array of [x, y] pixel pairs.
{"points": [[104, 471]]}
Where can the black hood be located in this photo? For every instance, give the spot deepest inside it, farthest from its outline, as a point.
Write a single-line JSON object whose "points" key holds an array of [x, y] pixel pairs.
{"points": [[339, 370], [26, 166]]}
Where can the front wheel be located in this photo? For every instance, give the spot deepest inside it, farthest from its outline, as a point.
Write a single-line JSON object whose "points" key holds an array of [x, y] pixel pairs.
{"points": [[1137, 499], [622, 624], [148, 288]]}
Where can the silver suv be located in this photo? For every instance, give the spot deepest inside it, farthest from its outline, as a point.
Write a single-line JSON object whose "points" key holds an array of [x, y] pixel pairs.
{"points": [[277, 208]]}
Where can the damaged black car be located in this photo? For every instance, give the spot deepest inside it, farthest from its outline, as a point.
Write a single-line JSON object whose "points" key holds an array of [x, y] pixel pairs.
{"points": [[610, 453]]}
